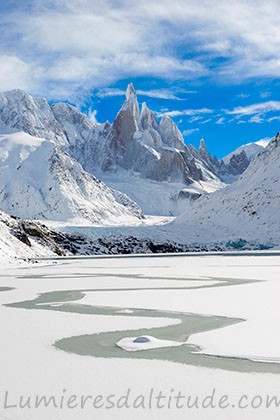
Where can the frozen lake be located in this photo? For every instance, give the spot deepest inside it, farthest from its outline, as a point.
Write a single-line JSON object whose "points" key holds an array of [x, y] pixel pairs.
{"points": [[209, 324]]}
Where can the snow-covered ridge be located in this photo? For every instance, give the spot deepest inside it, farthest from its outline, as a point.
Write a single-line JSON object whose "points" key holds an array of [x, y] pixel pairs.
{"points": [[251, 150], [40, 180], [21, 112], [249, 208]]}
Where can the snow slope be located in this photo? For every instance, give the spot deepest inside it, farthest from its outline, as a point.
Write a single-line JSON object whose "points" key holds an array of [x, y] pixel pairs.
{"points": [[247, 209], [39, 180], [157, 198]]}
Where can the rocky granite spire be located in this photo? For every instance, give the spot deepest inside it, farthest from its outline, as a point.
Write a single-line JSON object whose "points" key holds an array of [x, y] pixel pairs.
{"points": [[148, 118], [127, 122], [170, 133], [130, 106]]}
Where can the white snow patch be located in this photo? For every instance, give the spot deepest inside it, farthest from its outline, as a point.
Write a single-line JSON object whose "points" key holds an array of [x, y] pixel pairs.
{"points": [[145, 343]]}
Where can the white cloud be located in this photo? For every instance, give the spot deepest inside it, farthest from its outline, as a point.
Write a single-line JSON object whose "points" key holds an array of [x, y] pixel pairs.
{"points": [[256, 119], [80, 43], [189, 132], [276, 118], [195, 119], [158, 93], [220, 121], [110, 92], [88, 45], [259, 108], [243, 95], [265, 95], [205, 121], [153, 93], [189, 112], [16, 73]]}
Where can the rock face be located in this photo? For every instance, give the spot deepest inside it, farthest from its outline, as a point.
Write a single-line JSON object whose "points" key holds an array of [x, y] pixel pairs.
{"points": [[137, 142], [238, 163], [26, 239]]}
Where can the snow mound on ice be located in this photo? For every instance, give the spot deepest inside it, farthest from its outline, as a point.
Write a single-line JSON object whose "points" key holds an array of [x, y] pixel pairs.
{"points": [[146, 342]]}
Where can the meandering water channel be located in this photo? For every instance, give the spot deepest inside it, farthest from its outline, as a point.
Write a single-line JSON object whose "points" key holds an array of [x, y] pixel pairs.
{"points": [[104, 344]]}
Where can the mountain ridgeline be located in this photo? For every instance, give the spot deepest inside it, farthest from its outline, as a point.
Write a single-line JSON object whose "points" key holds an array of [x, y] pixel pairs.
{"points": [[138, 142], [50, 157]]}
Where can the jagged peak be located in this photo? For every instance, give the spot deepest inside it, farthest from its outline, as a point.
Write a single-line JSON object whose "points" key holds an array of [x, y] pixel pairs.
{"points": [[63, 106], [107, 123], [167, 122], [129, 107], [144, 108], [277, 138], [165, 118], [131, 101], [192, 148], [146, 111], [16, 92], [18, 96], [275, 142], [202, 145], [130, 92], [170, 133], [148, 118]]}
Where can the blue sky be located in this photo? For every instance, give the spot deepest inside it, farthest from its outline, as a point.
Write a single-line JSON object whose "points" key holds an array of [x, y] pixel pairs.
{"points": [[213, 66]]}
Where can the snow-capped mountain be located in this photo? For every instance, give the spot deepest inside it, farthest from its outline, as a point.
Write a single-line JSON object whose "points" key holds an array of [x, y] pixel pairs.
{"points": [[135, 154], [136, 142], [39, 180], [229, 168], [248, 208], [235, 163], [251, 150], [21, 112], [146, 159], [50, 157]]}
